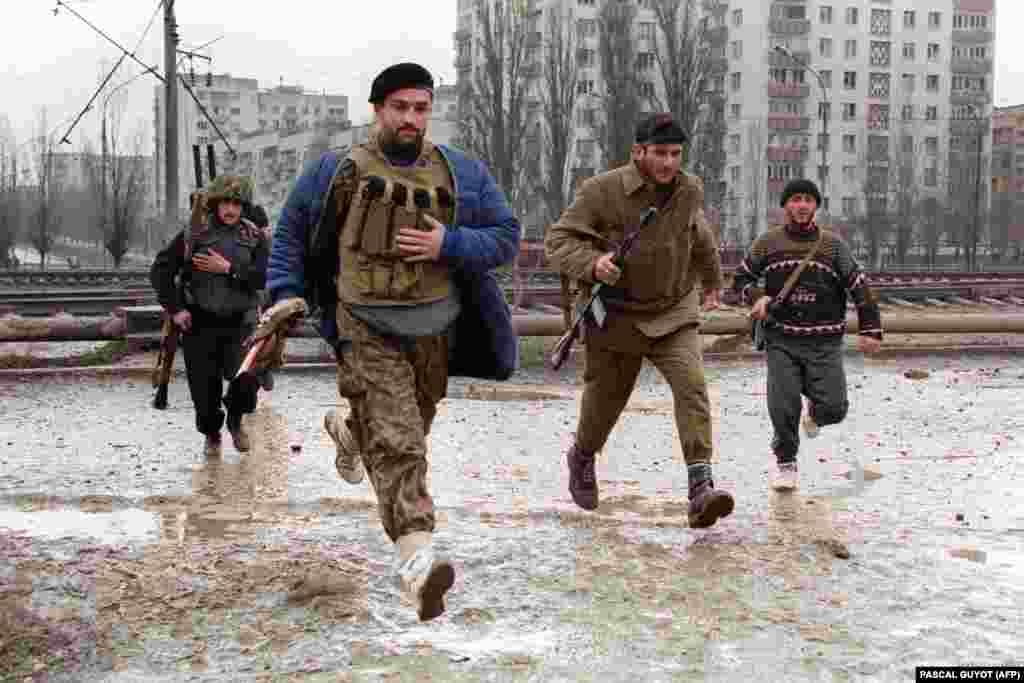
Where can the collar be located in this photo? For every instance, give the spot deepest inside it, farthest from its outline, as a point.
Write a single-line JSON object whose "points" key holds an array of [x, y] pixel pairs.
{"points": [[802, 231], [633, 180]]}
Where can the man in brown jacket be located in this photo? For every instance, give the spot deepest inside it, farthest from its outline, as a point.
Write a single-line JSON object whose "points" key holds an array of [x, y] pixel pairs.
{"points": [[652, 304]]}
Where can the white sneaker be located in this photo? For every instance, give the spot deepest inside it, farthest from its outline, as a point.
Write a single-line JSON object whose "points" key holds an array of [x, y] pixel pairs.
{"points": [[424, 579], [811, 428], [347, 460], [786, 478]]}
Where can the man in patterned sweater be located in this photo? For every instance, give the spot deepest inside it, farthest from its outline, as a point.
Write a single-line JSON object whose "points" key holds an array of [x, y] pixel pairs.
{"points": [[804, 336]]}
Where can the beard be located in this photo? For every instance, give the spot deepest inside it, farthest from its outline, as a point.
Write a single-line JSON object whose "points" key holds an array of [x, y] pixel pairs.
{"points": [[398, 149]]}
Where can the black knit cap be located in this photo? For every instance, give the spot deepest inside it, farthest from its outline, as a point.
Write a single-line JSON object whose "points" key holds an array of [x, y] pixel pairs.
{"points": [[800, 186], [399, 77], [660, 129]]}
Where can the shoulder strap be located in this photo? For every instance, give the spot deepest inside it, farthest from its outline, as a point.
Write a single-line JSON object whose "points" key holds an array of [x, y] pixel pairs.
{"points": [[795, 275]]}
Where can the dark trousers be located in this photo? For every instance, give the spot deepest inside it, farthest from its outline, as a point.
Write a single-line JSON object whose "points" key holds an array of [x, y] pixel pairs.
{"points": [[213, 353], [810, 366]]}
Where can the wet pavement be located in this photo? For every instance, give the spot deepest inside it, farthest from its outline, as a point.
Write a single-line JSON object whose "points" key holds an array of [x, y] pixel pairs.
{"points": [[125, 555]]}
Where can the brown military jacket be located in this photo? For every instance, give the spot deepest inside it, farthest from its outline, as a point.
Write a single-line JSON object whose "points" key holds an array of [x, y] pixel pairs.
{"points": [[666, 261]]}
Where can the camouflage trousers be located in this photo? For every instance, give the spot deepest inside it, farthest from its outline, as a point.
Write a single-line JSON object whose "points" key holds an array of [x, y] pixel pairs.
{"points": [[613, 360], [393, 386]]}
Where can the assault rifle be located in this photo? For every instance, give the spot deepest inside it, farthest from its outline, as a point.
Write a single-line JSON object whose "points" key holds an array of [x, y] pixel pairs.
{"points": [[594, 306], [169, 332]]}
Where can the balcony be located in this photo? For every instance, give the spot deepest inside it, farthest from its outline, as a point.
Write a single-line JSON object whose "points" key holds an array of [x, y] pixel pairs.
{"points": [[786, 153], [972, 36], [970, 65], [780, 59], [970, 97], [788, 122], [789, 27], [777, 89]]}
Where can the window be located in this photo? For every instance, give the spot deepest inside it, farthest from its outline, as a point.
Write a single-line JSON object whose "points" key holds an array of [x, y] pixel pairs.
{"points": [[851, 16], [878, 116], [849, 206], [825, 47], [849, 111], [734, 143], [734, 111], [850, 144], [734, 174], [930, 176], [881, 53], [737, 17], [585, 28], [850, 49], [585, 87], [878, 85], [934, 19], [646, 88], [850, 80], [970, 21], [735, 80], [932, 83], [931, 113], [825, 14], [586, 57], [823, 141], [907, 144], [586, 3], [588, 117], [931, 146], [909, 52], [849, 174], [644, 61], [737, 49], [909, 18], [646, 30], [933, 52], [881, 22], [826, 78]]}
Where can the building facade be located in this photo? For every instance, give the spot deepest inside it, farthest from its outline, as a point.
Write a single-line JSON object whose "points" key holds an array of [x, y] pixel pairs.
{"points": [[240, 108], [1007, 221], [885, 103]]}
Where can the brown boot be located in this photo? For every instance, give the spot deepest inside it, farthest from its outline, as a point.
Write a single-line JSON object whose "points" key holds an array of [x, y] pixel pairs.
{"points": [[240, 437], [582, 478], [708, 504]]}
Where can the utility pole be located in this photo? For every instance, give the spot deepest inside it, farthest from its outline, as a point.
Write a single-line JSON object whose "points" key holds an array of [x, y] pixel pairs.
{"points": [[171, 191]]}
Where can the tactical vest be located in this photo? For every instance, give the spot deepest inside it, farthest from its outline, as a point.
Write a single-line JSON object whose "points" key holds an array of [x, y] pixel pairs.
{"points": [[214, 292], [386, 199]]}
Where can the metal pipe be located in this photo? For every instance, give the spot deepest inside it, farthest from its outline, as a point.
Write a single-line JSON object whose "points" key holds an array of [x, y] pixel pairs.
{"points": [[143, 322]]}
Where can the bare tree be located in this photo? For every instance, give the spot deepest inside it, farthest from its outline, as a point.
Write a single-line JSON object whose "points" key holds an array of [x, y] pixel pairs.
{"points": [[875, 221], [625, 94], [932, 224], [558, 95], [494, 99], [121, 178], [906, 182], [967, 186], [756, 177], [10, 206], [45, 217]]}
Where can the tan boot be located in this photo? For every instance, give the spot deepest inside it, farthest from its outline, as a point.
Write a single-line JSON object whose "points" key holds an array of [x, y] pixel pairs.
{"points": [[423, 577], [347, 459], [211, 449], [787, 478]]}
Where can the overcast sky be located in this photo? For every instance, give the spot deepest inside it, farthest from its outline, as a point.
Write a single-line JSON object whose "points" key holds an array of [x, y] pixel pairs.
{"points": [[337, 45]]}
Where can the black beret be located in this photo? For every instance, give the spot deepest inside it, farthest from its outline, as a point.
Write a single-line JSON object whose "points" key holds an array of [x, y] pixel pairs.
{"points": [[660, 129], [399, 77], [800, 186]]}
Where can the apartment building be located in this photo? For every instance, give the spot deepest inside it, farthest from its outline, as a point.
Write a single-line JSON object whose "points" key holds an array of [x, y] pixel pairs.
{"points": [[1008, 176], [239, 107], [864, 96]]}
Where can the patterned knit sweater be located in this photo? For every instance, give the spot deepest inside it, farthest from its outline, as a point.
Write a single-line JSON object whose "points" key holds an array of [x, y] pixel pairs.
{"points": [[816, 306]]}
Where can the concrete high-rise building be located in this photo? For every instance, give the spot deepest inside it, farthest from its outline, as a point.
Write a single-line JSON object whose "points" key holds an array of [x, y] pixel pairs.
{"points": [[1007, 222], [239, 107], [904, 88]]}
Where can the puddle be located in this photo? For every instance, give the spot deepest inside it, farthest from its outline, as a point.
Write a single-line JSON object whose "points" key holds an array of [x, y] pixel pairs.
{"points": [[111, 528]]}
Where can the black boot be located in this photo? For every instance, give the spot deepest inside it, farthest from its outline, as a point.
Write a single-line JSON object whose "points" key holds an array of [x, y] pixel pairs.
{"points": [[708, 504], [582, 478]]}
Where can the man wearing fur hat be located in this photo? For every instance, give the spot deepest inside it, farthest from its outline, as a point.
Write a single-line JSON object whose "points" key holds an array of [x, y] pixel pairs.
{"points": [[652, 302], [394, 244], [804, 327], [209, 286]]}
